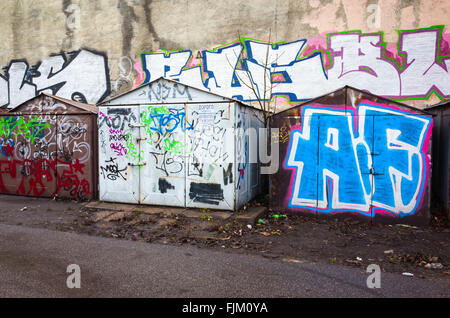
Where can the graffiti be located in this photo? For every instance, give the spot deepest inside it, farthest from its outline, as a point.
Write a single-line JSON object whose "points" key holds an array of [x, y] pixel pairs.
{"points": [[206, 143], [116, 139], [282, 136], [209, 193], [7, 147], [125, 66], [305, 69], [163, 185], [30, 129], [36, 177], [45, 154], [194, 168], [161, 92], [75, 132], [184, 152], [164, 119], [84, 76], [119, 149], [371, 161], [131, 151], [167, 163], [116, 118], [228, 174], [112, 171], [119, 137], [69, 181]]}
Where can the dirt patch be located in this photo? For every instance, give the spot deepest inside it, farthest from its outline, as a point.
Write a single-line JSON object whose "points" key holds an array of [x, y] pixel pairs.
{"points": [[395, 248], [292, 238]]}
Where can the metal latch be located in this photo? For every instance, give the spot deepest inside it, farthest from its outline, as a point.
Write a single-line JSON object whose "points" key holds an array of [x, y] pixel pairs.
{"points": [[140, 164], [135, 126], [138, 139]]}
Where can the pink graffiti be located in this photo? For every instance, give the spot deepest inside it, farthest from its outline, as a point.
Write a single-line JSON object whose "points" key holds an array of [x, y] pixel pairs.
{"points": [[118, 148], [115, 131]]}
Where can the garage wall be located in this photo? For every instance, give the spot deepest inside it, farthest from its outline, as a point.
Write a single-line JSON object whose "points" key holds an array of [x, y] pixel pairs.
{"points": [[354, 154], [48, 154]]}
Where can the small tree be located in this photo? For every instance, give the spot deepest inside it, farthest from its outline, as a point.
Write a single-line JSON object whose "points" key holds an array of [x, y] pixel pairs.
{"points": [[263, 95]]}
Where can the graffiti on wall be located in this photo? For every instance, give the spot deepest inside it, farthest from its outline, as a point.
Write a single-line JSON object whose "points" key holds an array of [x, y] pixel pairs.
{"points": [[44, 155], [209, 161], [176, 142], [116, 141], [304, 69], [164, 128], [83, 76], [373, 159]]}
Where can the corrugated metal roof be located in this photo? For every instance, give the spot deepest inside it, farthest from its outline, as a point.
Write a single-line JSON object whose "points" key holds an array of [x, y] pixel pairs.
{"points": [[87, 107], [442, 104], [346, 87], [83, 106]]}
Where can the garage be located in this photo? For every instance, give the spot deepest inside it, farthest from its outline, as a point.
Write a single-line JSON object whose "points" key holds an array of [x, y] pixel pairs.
{"points": [[48, 149], [167, 143]]}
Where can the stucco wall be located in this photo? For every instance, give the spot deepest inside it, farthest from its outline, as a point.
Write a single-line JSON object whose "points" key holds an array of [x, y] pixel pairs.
{"points": [[117, 32]]}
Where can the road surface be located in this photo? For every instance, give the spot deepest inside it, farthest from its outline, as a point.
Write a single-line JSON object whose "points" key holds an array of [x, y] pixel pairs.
{"points": [[33, 263]]}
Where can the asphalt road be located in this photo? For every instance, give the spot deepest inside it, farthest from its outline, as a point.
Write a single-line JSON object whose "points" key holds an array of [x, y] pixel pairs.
{"points": [[33, 263]]}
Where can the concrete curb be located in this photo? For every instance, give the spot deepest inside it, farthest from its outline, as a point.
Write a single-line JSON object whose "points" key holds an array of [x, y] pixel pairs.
{"points": [[253, 214], [166, 211]]}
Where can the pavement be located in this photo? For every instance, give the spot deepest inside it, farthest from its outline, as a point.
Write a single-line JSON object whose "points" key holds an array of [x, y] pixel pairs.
{"points": [[33, 263]]}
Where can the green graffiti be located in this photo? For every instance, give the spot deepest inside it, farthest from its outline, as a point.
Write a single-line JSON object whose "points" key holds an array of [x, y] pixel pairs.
{"points": [[19, 126], [157, 117], [149, 116], [132, 152], [173, 146]]}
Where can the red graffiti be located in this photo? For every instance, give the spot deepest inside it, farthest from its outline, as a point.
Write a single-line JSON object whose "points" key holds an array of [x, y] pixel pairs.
{"points": [[39, 176], [78, 167], [8, 150]]}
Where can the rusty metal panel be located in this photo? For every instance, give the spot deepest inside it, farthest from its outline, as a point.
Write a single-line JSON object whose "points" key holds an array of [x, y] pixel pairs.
{"points": [[28, 155], [345, 156], [48, 150], [50, 104], [441, 163], [76, 150]]}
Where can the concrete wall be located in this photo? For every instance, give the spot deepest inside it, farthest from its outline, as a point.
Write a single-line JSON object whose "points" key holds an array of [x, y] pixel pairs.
{"points": [[121, 35]]}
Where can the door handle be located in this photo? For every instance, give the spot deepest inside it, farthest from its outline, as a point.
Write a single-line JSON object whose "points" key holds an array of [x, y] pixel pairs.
{"points": [[135, 126], [137, 164]]}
